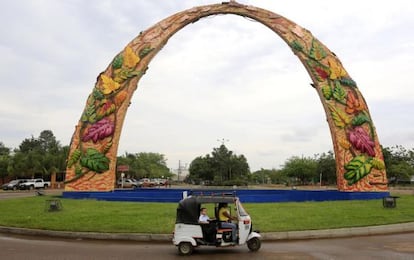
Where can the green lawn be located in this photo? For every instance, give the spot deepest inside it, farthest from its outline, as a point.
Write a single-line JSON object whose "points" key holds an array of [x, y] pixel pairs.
{"points": [[137, 217]]}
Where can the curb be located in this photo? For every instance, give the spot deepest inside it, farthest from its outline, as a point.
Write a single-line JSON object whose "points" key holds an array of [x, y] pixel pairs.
{"points": [[270, 236], [340, 232], [87, 235]]}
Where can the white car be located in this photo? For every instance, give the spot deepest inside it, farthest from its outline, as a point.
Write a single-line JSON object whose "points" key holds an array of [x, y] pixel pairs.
{"points": [[127, 183]]}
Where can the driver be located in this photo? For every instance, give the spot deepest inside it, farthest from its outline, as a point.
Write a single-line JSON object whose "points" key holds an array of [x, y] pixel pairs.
{"points": [[225, 218]]}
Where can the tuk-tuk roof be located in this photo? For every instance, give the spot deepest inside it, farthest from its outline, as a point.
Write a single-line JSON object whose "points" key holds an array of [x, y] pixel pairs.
{"points": [[214, 199], [188, 209]]}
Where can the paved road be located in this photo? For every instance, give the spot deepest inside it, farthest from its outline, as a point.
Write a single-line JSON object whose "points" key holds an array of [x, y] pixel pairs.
{"points": [[26, 193], [397, 246], [16, 194]]}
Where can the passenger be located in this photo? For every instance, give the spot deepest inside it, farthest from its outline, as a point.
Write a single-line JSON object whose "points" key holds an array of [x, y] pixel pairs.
{"points": [[225, 219], [204, 219]]}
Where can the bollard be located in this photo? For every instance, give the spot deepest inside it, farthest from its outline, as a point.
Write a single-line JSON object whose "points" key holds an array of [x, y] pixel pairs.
{"points": [[53, 205], [389, 202]]}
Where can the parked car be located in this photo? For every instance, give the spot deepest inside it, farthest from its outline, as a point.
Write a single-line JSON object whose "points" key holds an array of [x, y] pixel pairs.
{"points": [[34, 184], [13, 185], [158, 181], [127, 183], [402, 181], [145, 182]]}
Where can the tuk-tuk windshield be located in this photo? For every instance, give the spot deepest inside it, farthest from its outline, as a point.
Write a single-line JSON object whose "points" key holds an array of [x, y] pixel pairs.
{"points": [[242, 211]]}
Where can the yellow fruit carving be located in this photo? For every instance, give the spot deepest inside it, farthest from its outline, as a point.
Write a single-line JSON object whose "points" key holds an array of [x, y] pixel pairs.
{"points": [[336, 68], [344, 143], [130, 58], [108, 85]]}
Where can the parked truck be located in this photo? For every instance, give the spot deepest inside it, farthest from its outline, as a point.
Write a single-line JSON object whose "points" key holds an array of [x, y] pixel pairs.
{"points": [[34, 184]]}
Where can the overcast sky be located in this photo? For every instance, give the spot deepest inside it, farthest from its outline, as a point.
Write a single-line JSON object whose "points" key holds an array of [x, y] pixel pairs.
{"points": [[222, 78]]}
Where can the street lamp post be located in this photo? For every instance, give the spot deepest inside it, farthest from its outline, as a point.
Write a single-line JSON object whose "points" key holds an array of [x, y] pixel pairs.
{"points": [[320, 179]]}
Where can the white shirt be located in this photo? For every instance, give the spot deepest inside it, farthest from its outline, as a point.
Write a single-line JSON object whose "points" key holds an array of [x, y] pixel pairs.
{"points": [[203, 218]]}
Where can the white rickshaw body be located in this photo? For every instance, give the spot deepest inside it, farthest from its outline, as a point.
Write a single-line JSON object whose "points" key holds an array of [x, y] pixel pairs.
{"points": [[186, 233], [189, 233]]}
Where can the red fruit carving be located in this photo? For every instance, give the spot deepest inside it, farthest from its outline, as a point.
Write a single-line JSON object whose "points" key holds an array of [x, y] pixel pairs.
{"points": [[360, 139], [99, 130]]}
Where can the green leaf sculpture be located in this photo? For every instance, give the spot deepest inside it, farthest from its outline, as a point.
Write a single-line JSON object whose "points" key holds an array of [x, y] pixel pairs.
{"points": [[360, 119], [339, 93], [95, 161], [357, 168], [74, 157], [327, 92]]}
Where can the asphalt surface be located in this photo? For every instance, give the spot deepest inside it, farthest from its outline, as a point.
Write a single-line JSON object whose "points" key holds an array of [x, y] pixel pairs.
{"points": [[378, 247]]}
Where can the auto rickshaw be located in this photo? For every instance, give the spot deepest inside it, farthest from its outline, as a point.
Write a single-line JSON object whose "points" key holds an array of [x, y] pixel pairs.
{"points": [[189, 233]]}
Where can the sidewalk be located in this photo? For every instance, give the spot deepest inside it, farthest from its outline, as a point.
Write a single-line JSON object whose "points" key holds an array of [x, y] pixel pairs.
{"points": [[271, 236]]}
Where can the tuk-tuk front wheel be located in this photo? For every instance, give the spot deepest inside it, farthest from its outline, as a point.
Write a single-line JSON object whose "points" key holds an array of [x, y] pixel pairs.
{"points": [[185, 248], [254, 244]]}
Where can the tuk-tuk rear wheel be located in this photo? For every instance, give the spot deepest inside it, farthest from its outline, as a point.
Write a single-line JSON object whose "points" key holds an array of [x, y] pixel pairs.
{"points": [[254, 244], [185, 248]]}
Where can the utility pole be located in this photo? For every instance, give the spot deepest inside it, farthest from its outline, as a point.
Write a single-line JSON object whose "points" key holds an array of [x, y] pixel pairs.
{"points": [[179, 170], [320, 179]]}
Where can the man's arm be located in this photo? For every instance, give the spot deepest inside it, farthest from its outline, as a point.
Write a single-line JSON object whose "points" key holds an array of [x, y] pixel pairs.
{"points": [[227, 214]]}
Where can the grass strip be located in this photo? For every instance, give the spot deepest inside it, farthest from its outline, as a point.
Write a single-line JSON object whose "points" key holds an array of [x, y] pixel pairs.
{"points": [[159, 218]]}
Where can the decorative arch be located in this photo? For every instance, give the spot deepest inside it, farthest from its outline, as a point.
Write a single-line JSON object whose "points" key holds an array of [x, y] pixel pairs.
{"points": [[92, 156]]}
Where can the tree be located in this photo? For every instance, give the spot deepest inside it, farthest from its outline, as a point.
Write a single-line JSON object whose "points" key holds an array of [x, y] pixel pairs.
{"points": [[238, 168], [222, 167], [52, 152], [201, 170], [28, 145], [4, 161], [262, 176], [302, 169], [27, 164], [27, 159], [326, 166], [61, 161], [220, 162], [399, 163], [400, 172], [40, 156], [48, 143], [149, 165]]}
